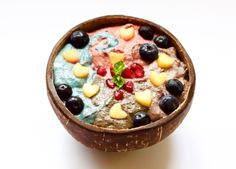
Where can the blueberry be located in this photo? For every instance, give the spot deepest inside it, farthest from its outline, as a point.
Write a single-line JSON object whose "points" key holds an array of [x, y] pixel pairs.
{"points": [[64, 91], [174, 87], [146, 32], [161, 41], [79, 39], [168, 103], [75, 105], [148, 52], [140, 119]]}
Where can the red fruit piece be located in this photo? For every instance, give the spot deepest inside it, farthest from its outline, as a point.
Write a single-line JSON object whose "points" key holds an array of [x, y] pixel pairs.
{"points": [[139, 73], [129, 86], [119, 95], [102, 71], [110, 83], [128, 73], [136, 66], [111, 71]]}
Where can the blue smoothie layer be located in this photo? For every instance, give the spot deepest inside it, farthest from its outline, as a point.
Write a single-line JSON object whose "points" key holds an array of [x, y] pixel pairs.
{"points": [[63, 72]]}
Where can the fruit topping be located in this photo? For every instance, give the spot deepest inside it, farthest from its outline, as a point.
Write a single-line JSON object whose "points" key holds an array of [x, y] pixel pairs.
{"points": [[90, 90], [135, 66], [128, 73], [64, 91], [80, 71], [148, 52], [146, 32], [111, 71], [71, 56], [161, 41], [127, 32], [157, 79], [168, 103], [164, 61], [75, 105], [140, 119], [116, 112], [119, 95], [129, 86], [110, 83], [101, 71], [144, 97], [174, 87], [139, 73], [79, 39], [138, 70], [116, 57]]}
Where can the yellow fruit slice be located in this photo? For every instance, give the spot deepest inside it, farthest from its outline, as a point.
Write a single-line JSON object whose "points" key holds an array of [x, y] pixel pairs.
{"points": [[90, 90], [116, 112], [164, 61], [144, 97], [157, 79], [116, 57], [127, 33], [80, 71], [71, 56]]}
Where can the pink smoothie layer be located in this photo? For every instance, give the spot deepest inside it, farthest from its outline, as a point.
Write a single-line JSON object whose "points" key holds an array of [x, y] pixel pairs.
{"points": [[130, 48]]}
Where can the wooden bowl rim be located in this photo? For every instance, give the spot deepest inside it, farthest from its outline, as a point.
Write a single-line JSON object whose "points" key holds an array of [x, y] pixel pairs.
{"points": [[53, 94]]}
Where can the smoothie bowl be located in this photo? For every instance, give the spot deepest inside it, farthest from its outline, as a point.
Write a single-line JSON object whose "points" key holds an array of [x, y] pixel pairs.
{"points": [[120, 83]]}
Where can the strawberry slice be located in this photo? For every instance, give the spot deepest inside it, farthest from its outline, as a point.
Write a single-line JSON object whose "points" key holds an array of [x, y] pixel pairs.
{"points": [[128, 73]]}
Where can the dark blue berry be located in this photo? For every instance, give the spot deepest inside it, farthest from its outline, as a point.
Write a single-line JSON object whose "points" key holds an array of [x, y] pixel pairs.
{"points": [[148, 52], [168, 103], [79, 39], [140, 119], [174, 87], [64, 91], [146, 32], [161, 41], [75, 105]]}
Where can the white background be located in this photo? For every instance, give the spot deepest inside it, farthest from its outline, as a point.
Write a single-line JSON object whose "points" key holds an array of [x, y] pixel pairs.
{"points": [[31, 137]]}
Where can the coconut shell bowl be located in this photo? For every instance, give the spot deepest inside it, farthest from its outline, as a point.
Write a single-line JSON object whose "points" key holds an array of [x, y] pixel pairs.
{"points": [[120, 140]]}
